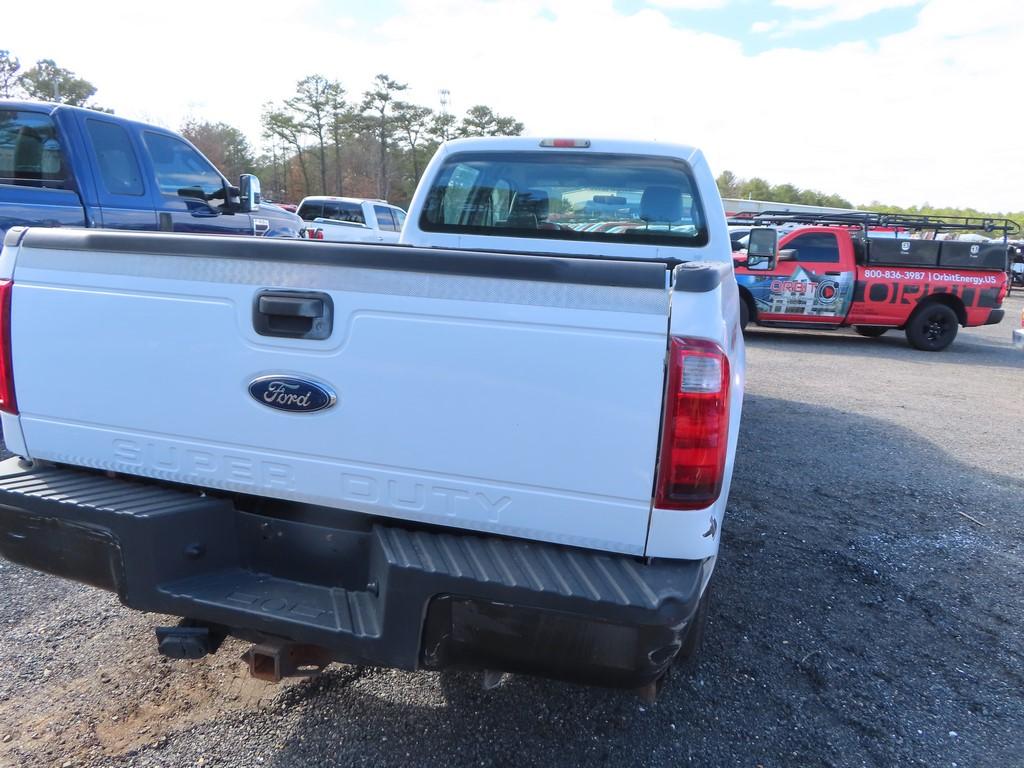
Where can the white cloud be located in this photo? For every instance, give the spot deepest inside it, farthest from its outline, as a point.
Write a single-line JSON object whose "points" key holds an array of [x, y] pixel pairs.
{"points": [[761, 27], [848, 8], [922, 116], [829, 12], [690, 5]]}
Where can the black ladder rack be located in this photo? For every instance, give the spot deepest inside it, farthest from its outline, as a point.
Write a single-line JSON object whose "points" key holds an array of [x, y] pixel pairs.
{"points": [[869, 219]]}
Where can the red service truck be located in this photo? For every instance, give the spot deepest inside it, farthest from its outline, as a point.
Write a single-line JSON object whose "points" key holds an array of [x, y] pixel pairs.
{"points": [[874, 272]]}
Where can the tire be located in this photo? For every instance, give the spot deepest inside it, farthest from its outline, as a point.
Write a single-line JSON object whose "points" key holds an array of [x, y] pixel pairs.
{"points": [[744, 314], [871, 331], [932, 327]]}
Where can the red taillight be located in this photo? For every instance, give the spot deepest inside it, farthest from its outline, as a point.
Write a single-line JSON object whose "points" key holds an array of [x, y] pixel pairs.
{"points": [[7, 401], [695, 433], [566, 143]]}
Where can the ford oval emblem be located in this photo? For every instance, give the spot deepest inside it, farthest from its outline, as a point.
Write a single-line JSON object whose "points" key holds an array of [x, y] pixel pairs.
{"points": [[291, 393]]}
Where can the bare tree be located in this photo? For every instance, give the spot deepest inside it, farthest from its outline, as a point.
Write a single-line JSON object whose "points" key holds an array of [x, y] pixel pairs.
{"points": [[223, 144], [412, 121], [364, 143], [278, 124], [379, 102], [311, 109], [483, 121], [442, 127], [339, 121], [9, 66]]}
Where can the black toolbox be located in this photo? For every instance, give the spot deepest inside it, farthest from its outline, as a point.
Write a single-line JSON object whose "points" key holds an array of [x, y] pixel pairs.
{"points": [[902, 252], [966, 255]]}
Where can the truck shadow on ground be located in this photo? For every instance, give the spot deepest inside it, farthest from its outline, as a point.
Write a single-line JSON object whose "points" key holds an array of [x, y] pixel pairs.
{"points": [[858, 618], [967, 349]]}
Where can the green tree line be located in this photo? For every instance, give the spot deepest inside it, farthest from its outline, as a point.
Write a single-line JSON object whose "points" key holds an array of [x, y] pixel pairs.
{"points": [[931, 210], [732, 186], [324, 140], [318, 140]]}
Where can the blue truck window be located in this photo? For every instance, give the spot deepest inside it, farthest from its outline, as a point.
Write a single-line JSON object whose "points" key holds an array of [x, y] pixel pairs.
{"points": [[183, 172], [30, 153], [118, 165]]}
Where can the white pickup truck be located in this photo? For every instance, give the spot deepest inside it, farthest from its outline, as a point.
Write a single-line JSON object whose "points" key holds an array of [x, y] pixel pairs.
{"points": [[504, 445], [350, 220]]}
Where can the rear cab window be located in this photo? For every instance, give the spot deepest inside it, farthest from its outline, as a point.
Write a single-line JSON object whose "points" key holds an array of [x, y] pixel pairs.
{"points": [[567, 196], [342, 210], [336, 210], [30, 151], [311, 209], [119, 168]]}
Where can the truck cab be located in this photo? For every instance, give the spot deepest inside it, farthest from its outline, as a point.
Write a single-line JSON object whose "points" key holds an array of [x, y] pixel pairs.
{"points": [[505, 443], [350, 219], [64, 166], [810, 283], [874, 272]]}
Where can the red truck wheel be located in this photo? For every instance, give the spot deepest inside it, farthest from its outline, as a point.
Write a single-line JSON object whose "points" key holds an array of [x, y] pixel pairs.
{"points": [[871, 331], [932, 327]]}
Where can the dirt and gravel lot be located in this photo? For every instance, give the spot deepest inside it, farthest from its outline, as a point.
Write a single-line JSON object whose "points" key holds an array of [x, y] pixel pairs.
{"points": [[860, 616]]}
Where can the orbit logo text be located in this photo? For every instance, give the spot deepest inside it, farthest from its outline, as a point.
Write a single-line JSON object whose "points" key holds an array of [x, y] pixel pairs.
{"points": [[826, 291]]}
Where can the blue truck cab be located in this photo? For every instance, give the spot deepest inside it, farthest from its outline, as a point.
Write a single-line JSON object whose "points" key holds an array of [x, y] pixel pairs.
{"points": [[64, 166]]}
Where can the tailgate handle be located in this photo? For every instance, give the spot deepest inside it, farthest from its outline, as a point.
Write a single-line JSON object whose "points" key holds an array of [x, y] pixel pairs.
{"points": [[293, 314], [291, 306]]}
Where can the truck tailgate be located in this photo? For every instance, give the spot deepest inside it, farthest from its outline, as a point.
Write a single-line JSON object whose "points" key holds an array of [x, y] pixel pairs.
{"points": [[514, 394]]}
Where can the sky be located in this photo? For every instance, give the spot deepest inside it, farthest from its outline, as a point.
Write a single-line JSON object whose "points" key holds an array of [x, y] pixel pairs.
{"points": [[902, 101]]}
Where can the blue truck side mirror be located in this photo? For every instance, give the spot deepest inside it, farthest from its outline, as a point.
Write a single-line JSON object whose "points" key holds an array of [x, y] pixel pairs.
{"points": [[249, 193]]}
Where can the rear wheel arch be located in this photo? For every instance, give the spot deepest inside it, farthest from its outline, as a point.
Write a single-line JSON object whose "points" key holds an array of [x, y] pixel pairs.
{"points": [[953, 302]]}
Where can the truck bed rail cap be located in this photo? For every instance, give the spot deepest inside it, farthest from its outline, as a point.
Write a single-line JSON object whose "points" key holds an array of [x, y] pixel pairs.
{"points": [[537, 267], [694, 277], [14, 235]]}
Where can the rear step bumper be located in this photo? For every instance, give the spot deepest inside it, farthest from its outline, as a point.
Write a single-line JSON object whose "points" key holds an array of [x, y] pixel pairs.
{"points": [[369, 593]]}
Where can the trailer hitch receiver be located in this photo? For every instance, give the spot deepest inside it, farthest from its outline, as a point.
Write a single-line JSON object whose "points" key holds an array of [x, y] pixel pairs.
{"points": [[272, 661]]}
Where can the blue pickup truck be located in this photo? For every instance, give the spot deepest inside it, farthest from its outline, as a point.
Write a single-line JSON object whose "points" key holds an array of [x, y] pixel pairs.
{"points": [[62, 166]]}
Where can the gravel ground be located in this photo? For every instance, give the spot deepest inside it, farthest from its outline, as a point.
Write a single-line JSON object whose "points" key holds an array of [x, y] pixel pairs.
{"points": [[860, 617]]}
